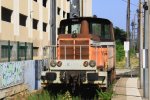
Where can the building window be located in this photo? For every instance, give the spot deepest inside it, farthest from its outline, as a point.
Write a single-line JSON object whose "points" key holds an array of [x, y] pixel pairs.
{"points": [[35, 51], [44, 27], [64, 14], [44, 52], [35, 0], [22, 51], [5, 51], [44, 3], [6, 14], [58, 10], [68, 15], [35, 24], [22, 20], [68, 0]]}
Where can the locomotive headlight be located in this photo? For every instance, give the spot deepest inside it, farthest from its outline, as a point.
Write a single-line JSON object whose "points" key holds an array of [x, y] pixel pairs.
{"points": [[53, 63], [59, 63], [85, 64], [92, 63]]}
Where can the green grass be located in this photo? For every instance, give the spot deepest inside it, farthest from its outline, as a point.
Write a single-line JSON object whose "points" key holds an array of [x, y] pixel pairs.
{"points": [[105, 95], [134, 62], [44, 95]]}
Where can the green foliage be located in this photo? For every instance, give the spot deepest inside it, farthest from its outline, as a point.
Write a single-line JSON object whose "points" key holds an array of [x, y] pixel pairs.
{"points": [[120, 35], [105, 95], [132, 52], [120, 53], [66, 96], [40, 96], [45, 95], [76, 98]]}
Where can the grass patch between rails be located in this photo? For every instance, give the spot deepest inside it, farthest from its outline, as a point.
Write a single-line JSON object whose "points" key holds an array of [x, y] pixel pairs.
{"points": [[105, 95], [45, 95]]}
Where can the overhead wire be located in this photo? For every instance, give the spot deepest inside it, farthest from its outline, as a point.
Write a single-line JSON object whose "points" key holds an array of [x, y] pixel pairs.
{"points": [[130, 3]]}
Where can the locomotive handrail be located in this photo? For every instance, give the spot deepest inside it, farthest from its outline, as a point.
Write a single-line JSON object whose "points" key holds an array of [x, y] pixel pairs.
{"points": [[54, 55]]}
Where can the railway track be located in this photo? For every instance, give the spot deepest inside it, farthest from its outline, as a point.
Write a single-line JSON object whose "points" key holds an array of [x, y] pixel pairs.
{"points": [[127, 72], [88, 92], [84, 92]]}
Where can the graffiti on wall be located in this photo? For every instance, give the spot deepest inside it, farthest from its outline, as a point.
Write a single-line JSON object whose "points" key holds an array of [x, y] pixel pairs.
{"points": [[11, 74]]}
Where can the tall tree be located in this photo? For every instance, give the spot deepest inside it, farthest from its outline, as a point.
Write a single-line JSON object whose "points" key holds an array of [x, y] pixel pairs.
{"points": [[120, 35]]}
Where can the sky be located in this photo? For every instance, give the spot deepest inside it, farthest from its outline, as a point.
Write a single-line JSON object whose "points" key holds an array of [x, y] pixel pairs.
{"points": [[114, 10]]}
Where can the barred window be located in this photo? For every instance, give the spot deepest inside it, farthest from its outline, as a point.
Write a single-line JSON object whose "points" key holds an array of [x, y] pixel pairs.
{"points": [[5, 51], [22, 52]]}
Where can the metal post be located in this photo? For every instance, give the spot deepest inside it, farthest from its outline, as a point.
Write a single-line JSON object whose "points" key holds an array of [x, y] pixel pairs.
{"points": [[25, 50], [31, 51], [53, 22], [133, 35], [53, 34], [18, 50], [9, 54]]}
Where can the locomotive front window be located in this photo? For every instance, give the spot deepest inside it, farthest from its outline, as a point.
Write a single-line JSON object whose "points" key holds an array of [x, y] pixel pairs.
{"points": [[71, 29], [102, 30]]}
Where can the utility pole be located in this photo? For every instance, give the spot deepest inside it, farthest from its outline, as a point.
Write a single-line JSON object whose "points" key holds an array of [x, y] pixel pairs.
{"points": [[128, 34], [146, 54], [140, 35], [133, 33], [148, 32], [147, 13]]}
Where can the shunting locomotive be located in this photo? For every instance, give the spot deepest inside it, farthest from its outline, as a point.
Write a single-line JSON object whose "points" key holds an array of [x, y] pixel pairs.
{"points": [[84, 54]]}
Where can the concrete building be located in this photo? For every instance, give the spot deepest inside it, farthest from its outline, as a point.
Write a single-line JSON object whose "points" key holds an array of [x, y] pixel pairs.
{"points": [[86, 8], [23, 22], [27, 24]]}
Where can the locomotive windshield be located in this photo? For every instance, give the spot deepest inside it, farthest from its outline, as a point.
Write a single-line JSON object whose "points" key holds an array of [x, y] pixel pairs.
{"points": [[73, 28], [101, 28]]}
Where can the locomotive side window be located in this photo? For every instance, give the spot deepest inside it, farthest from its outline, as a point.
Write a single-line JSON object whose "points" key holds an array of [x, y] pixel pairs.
{"points": [[101, 30], [96, 29]]}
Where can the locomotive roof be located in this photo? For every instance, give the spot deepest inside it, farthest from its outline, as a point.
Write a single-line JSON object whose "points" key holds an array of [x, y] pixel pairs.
{"points": [[90, 19]]}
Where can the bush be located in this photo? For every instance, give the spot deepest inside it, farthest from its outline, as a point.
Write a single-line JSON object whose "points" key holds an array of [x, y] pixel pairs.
{"points": [[120, 53]]}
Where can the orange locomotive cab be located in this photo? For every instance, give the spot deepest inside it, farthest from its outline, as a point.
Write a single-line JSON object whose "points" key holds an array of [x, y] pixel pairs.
{"points": [[85, 52]]}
